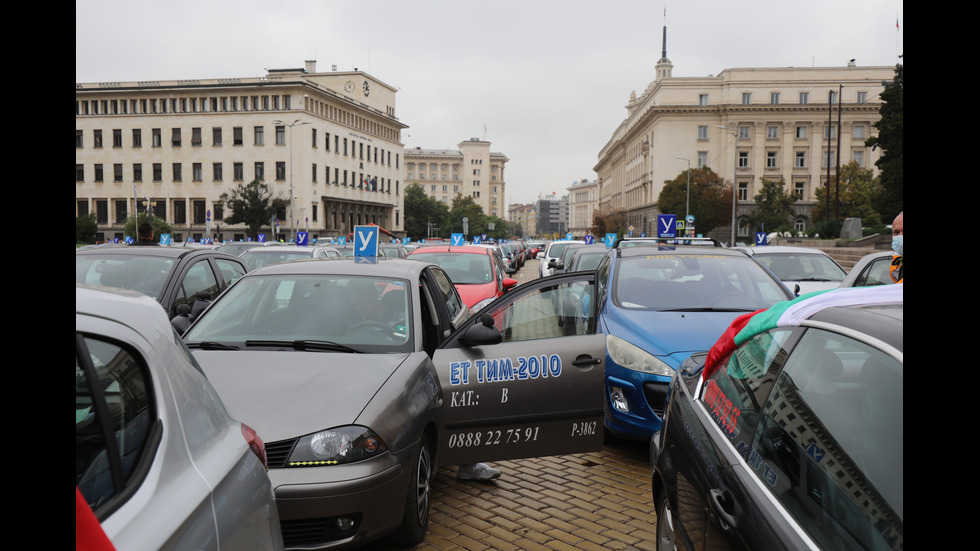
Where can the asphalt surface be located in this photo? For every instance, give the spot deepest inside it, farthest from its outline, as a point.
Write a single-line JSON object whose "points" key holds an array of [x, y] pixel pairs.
{"points": [[589, 501]]}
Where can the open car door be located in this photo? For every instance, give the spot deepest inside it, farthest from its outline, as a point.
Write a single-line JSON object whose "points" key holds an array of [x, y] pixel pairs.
{"points": [[524, 376]]}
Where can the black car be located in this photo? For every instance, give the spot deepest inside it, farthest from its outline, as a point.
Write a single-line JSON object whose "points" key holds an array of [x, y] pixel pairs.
{"points": [[174, 276], [788, 434]]}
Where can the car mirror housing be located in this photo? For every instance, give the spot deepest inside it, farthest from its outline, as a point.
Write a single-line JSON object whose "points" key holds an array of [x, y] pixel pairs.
{"points": [[481, 333]]}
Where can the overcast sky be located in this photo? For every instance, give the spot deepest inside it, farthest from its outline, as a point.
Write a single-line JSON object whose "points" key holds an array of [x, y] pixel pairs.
{"points": [[548, 80]]}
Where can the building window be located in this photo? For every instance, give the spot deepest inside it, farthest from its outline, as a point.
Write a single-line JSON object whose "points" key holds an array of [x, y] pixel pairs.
{"points": [[137, 172], [313, 137], [744, 132], [804, 98], [800, 132], [829, 159], [771, 159], [281, 171], [702, 159], [216, 172], [858, 157], [260, 171], [98, 173], [859, 131], [121, 207], [157, 137], [196, 139], [281, 136], [219, 211], [703, 100], [833, 97], [102, 212], [800, 160], [799, 190], [157, 172], [137, 137], [862, 97], [79, 173], [197, 172], [743, 191], [216, 135], [117, 172], [178, 172], [237, 135], [772, 132], [175, 137], [743, 159], [259, 135], [830, 132], [774, 98], [117, 138], [97, 138], [746, 98], [702, 132], [180, 212], [78, 139], [238, 171], [200, 215], [314, 173]]}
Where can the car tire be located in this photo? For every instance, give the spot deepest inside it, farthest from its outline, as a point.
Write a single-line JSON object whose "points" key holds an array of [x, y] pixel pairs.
{"points": [[667, 536], [415, 519]]}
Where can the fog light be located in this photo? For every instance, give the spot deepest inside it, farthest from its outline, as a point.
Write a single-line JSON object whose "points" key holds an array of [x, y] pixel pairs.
{"points": [[345, 523], [618, 399]]}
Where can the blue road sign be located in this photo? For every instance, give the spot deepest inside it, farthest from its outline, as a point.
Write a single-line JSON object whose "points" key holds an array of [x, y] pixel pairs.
{"points": [[666, 225], [457, 239], [302, 238], [590, 240], [366, 240], [760, 238], [610, 239]]}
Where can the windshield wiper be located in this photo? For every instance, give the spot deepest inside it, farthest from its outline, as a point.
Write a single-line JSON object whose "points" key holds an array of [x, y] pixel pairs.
{"points": [[308, 345], [212, 345], [707, 309]]}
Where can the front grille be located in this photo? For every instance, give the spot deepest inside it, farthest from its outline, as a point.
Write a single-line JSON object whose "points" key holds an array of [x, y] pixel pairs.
{"points": [[278, 452], [655, 394], [316, 531]]}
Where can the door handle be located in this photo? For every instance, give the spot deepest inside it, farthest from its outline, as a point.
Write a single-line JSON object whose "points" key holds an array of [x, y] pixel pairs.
{"points": [[586, 361], [717, 501]]}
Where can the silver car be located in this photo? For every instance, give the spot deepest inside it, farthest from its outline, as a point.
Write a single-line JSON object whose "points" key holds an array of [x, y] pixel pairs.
{"points": [[802, 269], [179, 472], [263, 256], [872, 269], [365, 374]]}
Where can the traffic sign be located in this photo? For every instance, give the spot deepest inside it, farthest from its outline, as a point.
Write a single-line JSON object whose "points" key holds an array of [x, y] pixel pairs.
{"points": [[366, 240]]}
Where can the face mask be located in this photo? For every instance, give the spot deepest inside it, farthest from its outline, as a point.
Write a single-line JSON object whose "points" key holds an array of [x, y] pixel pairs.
{"points": [[897, 245]]}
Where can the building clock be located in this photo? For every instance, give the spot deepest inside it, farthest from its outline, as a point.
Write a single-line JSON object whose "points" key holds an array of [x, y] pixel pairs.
{"points": [[349, 87], [367, 89]]}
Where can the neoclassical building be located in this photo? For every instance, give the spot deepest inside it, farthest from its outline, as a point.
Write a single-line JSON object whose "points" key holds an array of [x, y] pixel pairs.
{"points": [[583, 203], [745, 124], [472, 170], [331, 141]]}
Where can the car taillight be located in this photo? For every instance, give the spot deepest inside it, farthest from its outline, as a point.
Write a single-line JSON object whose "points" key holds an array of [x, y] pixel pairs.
{"points": [[256, 444]]}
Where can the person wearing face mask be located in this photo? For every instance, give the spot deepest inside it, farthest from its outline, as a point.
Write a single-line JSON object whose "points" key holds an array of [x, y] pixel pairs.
{"points": [[898, 246]]}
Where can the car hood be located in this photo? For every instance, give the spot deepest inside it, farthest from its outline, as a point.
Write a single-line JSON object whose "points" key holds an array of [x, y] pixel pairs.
{"points": [[811, 286], [285, 394], [474, 293], [667, 335]]}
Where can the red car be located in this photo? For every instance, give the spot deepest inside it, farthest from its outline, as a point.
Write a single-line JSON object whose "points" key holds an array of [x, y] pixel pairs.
{"points": [[477, 272]]}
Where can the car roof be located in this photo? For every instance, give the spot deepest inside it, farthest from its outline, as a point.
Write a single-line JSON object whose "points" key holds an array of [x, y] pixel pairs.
{"points": [[130, 308], [781, 249], [678, 250], [354, 266], [171, 252], [884, 322], [462, 249], [672, 241]]}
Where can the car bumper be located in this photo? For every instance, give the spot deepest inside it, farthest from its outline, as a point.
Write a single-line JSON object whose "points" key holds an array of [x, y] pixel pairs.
{"points": [[314, 503], [642, 394]]}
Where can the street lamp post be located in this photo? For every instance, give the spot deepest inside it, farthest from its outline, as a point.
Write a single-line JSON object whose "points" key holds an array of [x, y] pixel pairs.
{"points": [[687, 212], [292, 222], [734, 132]]}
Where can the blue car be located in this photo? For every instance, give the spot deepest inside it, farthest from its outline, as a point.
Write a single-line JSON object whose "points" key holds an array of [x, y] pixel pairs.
{"points": [[658, 305]]}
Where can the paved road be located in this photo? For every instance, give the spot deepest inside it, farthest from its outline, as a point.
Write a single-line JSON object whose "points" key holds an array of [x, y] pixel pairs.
{"points": [[593, 501]]}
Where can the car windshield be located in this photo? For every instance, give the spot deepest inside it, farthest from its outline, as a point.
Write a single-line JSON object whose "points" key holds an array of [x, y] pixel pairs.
{"points": [[258, 258], [678, 281], [363, 313], [802, 267], [146, 274], [463, 268]]}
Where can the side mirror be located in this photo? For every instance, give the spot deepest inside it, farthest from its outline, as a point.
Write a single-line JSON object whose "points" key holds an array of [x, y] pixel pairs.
{"points": [[481, 333], [509, 282]]}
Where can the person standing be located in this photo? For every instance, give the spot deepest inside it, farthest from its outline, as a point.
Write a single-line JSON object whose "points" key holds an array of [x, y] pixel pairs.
{"points": [[898, 246], [144, 235]]}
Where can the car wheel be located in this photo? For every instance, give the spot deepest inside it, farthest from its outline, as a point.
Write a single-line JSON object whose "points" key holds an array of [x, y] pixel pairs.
{"points": [[666, 535], [415, 519]]}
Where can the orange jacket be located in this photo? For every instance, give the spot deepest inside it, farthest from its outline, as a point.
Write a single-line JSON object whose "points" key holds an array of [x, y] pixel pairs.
{"points": [[896, 270]]}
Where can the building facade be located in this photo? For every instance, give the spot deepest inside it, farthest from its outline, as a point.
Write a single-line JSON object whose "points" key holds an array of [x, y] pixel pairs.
{"points": [[793, 123], [523, 219], [583, 203], [552, 216], [470, 171], [329, 141]]}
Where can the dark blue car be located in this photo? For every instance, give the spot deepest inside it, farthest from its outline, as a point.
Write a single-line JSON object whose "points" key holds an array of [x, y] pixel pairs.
{"points": [[659, 305]]}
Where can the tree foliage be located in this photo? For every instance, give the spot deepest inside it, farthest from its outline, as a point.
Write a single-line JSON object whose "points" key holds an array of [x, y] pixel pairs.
{"points": [[86, 226], [420, 210], [252, 204], [613, 222], [160, 226], [891, 140], [466, 207], [858, 193], [773, 206], [710, 198]]}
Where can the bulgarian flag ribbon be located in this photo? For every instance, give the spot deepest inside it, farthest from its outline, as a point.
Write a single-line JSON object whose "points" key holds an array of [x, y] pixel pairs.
{"points": [[791, 312]]}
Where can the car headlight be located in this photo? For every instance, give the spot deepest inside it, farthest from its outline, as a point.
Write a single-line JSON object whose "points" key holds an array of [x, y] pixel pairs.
{"points": [[336, 446], [633, 357], [482, 304]]}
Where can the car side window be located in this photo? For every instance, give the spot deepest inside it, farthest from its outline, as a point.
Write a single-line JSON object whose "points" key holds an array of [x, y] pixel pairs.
{"points": [[198, 278], [453, 303], [830, 442], [230, 271], [876, 273], [556, 310], [112, 399], [734, 396]]}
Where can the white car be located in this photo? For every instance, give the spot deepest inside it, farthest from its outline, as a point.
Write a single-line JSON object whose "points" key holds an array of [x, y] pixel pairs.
{"points": [[158, 460], [872, 269], [552, 253], [802, 269]]}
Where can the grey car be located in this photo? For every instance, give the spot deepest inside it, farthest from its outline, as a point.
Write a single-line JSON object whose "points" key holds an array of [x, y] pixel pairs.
{"points": [[179, 473], [802, 269], [262, 256], [872, 269], [365, 374]]}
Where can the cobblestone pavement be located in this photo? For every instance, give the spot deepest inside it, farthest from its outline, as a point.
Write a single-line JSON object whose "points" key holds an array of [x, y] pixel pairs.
{"points": [[586, 501]]}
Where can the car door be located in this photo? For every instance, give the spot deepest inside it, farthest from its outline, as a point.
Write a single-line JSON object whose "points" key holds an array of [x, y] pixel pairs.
{"points": [[517, 383]]}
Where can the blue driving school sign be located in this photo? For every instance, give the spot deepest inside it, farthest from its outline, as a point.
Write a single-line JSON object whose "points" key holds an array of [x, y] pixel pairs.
{"points": [[366, 240], [666, 225]]}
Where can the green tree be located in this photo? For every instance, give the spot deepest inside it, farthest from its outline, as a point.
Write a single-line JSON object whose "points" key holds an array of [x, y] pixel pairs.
{"points": [[420, 211], [253, 205], [160, 226], [466, 207], [858, 193], [891, 140], [502, 229], [773, 206], [710, 198], [86, 227], [613, 222]]}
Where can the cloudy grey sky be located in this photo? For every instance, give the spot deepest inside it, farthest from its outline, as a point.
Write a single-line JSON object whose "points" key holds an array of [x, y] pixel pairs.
{"points": [[547, 79]]}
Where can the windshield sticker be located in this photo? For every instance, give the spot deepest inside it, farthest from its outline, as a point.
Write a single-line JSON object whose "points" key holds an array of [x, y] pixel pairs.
{"points": [[722, 409], [492, 370]]}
